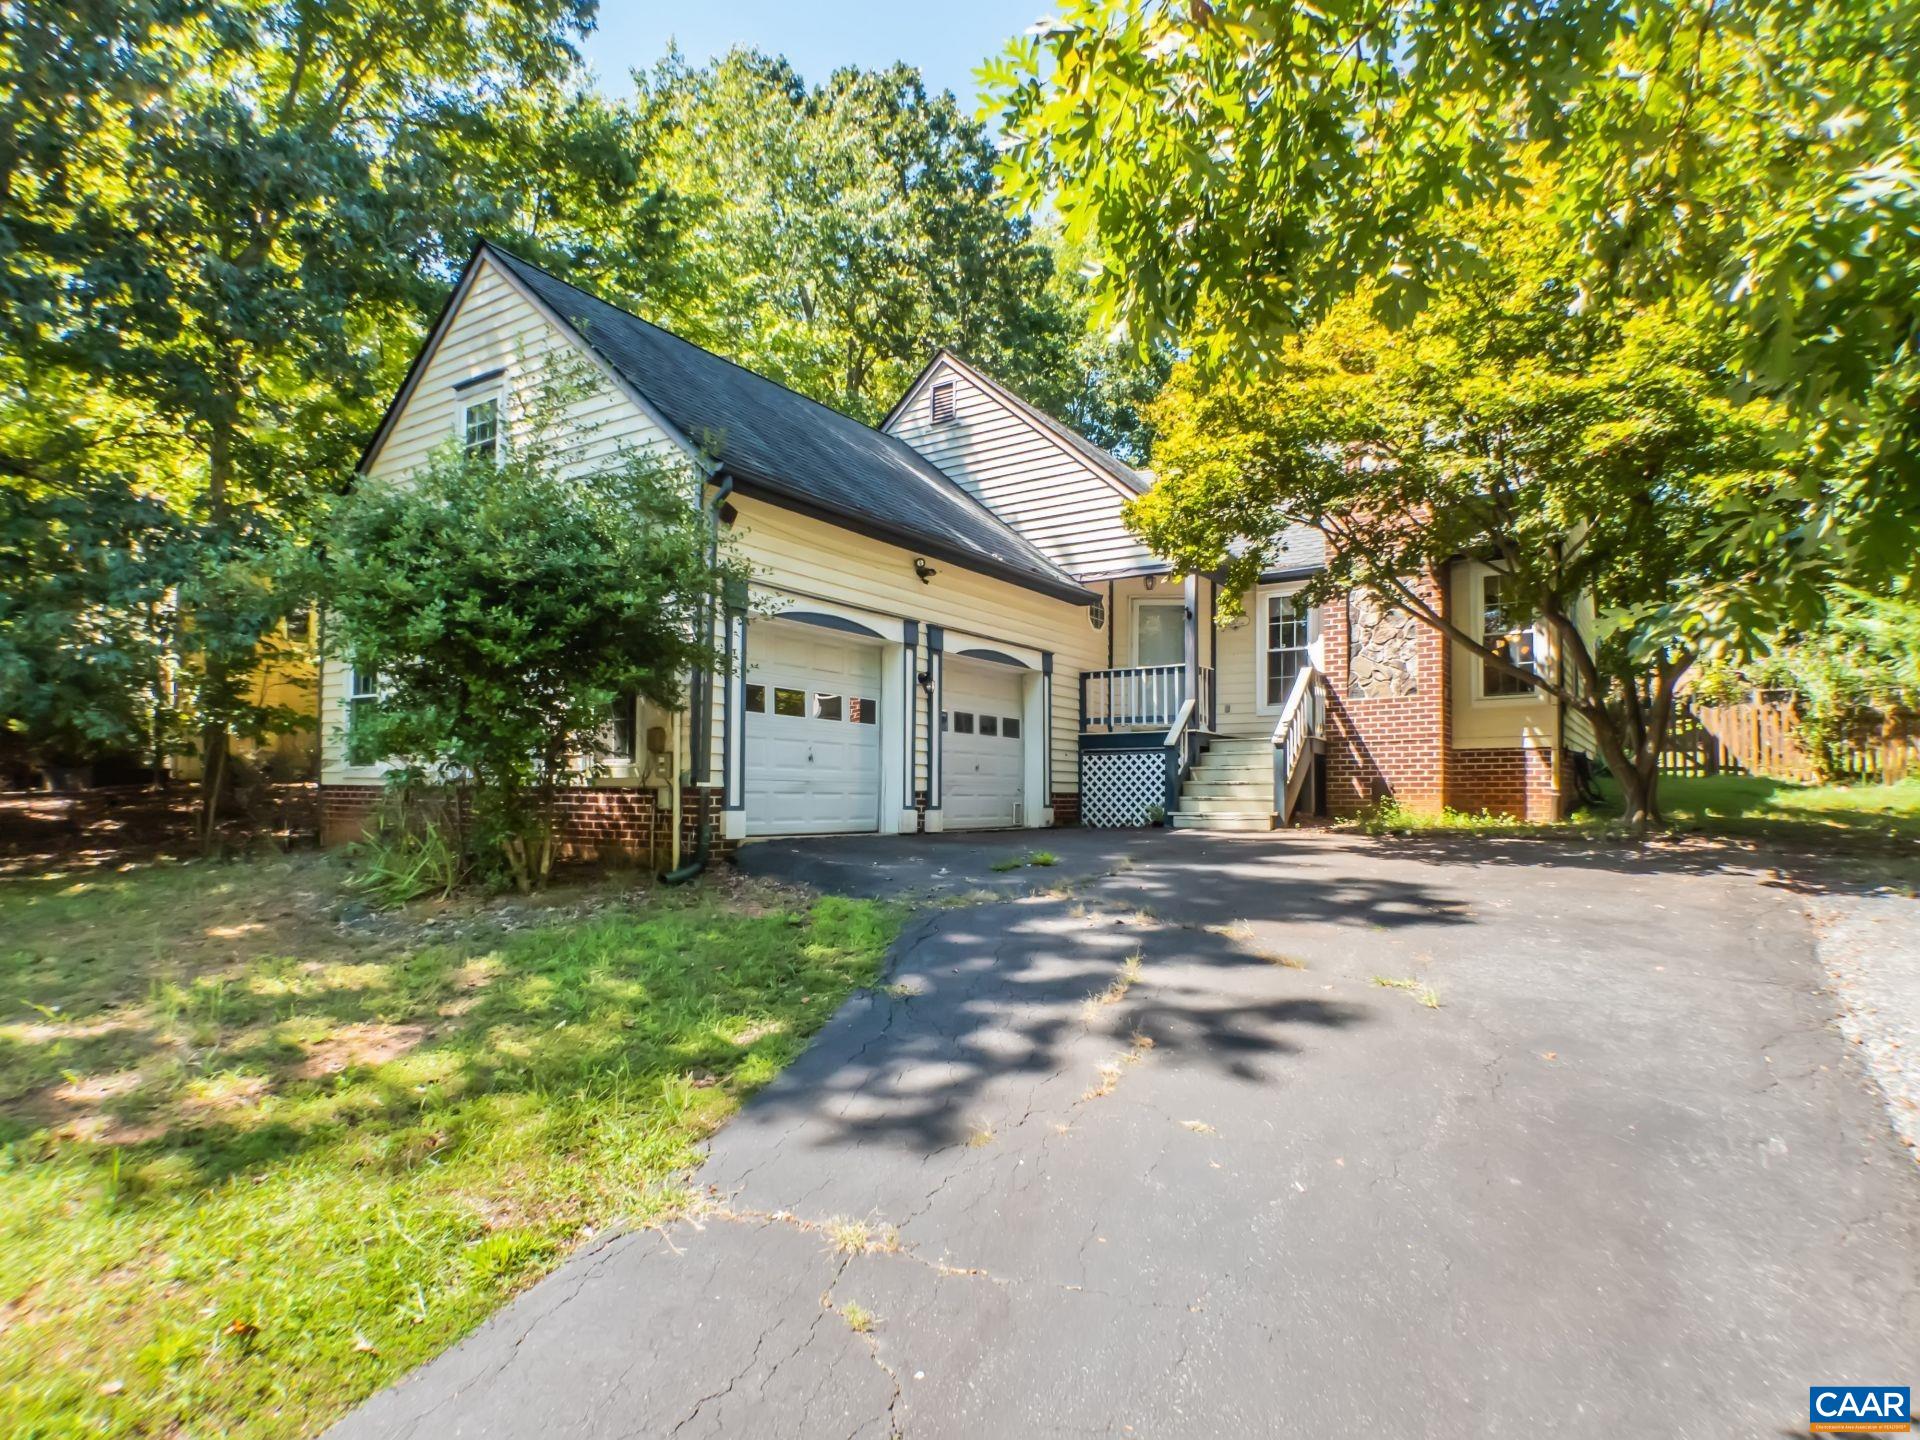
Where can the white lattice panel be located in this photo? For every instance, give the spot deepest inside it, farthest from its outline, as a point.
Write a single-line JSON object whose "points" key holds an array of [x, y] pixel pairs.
{"points": [[1120, 787]]}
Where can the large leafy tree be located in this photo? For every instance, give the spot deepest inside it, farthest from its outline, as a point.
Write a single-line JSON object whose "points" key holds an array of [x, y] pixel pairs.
{"points": [[1242, 165], [219, 213], [1587, 453]]}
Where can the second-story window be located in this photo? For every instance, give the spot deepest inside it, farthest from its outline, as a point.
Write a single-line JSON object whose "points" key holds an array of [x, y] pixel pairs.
{"points": [[480, 427]]}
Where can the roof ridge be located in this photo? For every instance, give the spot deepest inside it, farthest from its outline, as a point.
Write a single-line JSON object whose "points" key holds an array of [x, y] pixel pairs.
{"points": [[516, 256], [893, 440], [904, 453]]}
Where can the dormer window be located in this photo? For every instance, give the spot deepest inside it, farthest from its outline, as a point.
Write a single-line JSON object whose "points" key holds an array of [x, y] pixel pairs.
{"points": [[942, 403], [480, 427]]}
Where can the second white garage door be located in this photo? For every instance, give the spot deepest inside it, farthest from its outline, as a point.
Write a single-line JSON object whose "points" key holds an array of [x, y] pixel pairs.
{"points": [[812, 732], [984, 746]]}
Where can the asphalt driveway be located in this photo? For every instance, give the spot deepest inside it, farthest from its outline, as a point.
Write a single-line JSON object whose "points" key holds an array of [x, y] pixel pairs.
{"points": [[1139, 1144]]}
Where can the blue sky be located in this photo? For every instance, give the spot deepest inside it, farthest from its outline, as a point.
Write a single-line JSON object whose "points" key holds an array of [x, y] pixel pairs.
{"points": [[945, 41]]}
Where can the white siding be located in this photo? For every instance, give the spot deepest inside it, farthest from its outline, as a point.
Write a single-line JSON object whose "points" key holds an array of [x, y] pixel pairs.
{"points": [[809, 559], [1058, 500], [493, 326]]}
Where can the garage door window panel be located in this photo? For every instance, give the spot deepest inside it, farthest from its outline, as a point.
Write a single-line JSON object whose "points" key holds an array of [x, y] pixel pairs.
{"points": [[791, 703]]}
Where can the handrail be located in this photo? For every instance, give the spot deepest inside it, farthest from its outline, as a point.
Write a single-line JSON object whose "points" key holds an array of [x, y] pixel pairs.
{"points": [[1298, 723], [1180, 720]]}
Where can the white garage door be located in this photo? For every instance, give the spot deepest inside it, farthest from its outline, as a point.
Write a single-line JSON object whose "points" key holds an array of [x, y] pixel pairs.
{"points": [[812, 732], [984, 746]]}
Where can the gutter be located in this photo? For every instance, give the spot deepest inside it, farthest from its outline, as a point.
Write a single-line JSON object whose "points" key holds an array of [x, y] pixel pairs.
{"points": [[703, 713]]}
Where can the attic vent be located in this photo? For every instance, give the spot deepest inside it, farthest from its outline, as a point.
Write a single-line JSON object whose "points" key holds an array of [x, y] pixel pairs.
{"points": [[943, 402]]}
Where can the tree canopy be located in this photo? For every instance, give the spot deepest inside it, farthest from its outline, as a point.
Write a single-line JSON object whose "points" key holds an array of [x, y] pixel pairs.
{"points": [[1242, 166]]}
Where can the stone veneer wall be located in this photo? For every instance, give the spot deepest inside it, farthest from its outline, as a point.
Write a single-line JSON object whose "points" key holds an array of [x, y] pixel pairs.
{"points": [[1383, 649], [1387, 733]]}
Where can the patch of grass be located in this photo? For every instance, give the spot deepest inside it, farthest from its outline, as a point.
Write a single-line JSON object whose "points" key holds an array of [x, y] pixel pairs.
{"points": [[859, 1319], [980, 1137], [255, 1164], [1242, 933], [861, 1237], [1012, 862], [1043, 858], [1387, 816], [1420, 991]]}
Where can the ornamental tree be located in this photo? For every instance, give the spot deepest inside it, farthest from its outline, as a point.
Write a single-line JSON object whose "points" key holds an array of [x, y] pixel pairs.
{"points": [[1586, 452], [506, 604]]}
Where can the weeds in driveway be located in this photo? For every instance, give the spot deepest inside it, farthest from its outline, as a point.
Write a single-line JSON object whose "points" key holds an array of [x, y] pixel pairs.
{"points": [[1043, 859], [859, 1319], [1012, 862], [1115, 992], [860, 1237], [1424, 993], [256, 1162]]}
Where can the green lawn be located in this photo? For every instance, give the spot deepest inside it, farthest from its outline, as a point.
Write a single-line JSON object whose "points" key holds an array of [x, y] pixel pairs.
{"points": [[1875, 816], [1754, 806], [254, 1164]]}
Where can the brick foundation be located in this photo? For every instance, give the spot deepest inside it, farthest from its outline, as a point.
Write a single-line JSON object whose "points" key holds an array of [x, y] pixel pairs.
{"points": [[1517, 782], [1066, 807], [600, 822]]}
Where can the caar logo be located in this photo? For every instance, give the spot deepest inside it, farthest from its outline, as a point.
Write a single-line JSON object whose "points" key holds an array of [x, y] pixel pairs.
{"points": [[1860, 1409]]}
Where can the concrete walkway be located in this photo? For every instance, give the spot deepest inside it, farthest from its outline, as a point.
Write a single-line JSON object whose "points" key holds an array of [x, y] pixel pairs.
{"points": [[1596, 1161]]}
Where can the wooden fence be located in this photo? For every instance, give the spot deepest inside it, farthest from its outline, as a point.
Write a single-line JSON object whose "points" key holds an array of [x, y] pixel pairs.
{"points": [[1758, 738]]}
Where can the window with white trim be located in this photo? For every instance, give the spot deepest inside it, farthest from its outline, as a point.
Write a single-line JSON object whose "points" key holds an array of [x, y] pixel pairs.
{"points": [[619, 741], [480, 427], [940, 403], [1502, 632], [363, 690], [1283, 646]]}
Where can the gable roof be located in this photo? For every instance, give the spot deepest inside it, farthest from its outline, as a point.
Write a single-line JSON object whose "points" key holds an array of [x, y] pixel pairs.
{"points": [[782, 447], [1110, 467]]}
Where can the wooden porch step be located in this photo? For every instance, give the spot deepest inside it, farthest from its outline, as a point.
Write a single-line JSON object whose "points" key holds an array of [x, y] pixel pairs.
{"points": [[1205, 784]]}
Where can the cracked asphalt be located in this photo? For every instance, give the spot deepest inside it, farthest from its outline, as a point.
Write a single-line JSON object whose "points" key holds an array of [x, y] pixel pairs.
{"points": [[1624, 1174]]}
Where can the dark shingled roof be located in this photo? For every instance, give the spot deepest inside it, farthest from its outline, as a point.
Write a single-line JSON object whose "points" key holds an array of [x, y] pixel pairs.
{"points": [[796, 452]]}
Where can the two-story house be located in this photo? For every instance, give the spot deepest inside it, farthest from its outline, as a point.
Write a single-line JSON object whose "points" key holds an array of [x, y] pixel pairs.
{"points": [[951, 626]]}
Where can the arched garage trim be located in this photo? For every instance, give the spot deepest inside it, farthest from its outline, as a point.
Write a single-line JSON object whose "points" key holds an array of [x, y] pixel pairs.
{"points": [[997, 657]]}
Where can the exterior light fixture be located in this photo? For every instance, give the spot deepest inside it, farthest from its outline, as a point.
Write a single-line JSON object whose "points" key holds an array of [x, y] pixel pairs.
{"points": [[925, 571]]}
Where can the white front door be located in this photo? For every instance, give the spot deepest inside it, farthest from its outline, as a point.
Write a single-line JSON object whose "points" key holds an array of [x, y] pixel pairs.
{"points": [[983, 746], [812, 703]]}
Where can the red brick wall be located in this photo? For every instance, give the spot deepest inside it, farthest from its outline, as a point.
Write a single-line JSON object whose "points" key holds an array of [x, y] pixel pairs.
{"points": [[1396, 746], [594, 822], [1066, 807], [1404, 746], [1517, 782]]}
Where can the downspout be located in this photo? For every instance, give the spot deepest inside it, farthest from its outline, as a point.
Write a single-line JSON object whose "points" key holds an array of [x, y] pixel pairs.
{"points": [[702, 745]]}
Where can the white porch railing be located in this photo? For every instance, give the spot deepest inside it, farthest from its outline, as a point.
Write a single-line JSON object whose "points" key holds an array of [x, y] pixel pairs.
{"points": [[1302, 721], [1143, 697]]}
